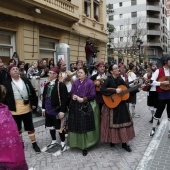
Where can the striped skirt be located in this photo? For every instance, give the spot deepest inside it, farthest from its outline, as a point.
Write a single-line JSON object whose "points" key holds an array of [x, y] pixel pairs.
{"points": [[114, 135]]}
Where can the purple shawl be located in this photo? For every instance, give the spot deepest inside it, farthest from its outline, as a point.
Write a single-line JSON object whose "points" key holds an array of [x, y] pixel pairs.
{"points": [[11, 149], [84, 89]]}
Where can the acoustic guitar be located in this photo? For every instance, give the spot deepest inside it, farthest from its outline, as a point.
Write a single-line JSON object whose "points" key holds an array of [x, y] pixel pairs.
{"points": [[101, 83], [114, 100], [148, 81], [165, 78]]}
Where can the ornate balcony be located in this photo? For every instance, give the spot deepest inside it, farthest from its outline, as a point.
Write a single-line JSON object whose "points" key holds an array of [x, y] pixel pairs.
{"points": [[60, 8]]}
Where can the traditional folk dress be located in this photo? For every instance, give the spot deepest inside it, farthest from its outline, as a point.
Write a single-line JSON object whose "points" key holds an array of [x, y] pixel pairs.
{"points": [[11, 149], [116, 124], [83, 128]]}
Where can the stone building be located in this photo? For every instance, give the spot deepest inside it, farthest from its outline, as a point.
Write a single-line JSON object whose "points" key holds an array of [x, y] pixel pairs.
{"points": [[33, 28]]}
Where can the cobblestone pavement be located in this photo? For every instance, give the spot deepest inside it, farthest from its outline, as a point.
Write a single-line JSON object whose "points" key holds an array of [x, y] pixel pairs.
{"points": [[101, 156]]}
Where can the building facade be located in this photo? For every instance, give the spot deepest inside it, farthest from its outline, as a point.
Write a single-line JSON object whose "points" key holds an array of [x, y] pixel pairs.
{"points": [[139, 19], [33, 28]]}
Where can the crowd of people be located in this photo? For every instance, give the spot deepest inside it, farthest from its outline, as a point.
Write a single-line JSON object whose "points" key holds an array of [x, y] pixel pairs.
{"points": [[90, 104]]}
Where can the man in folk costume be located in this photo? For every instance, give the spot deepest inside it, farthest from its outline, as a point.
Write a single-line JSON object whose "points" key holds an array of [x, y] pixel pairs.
{"points": [[99, 79], [163, 95], [65, 76], [54, 103], [152, 95], [132, 78], [21, 99], [116, 123]]}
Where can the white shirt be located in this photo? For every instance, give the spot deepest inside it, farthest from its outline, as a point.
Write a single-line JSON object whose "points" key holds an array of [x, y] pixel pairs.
{"points": [[100, 76], [131, 77], [122, 77], [155, 76], [153, 88], [18, 83], [52, 82]]}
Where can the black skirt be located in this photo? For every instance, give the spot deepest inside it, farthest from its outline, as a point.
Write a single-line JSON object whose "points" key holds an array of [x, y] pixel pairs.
{"points": [[78, 122], [152, 99]]}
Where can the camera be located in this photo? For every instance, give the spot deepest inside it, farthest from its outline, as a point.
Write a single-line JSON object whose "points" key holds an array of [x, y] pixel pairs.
{"points": [[26, 102]]}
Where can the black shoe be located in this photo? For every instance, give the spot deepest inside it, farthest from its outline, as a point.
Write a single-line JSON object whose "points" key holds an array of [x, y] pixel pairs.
{"points": [[152, 133], [112, 144], [151, 121], [84, 152], [126, 147], [158, 123], [36, 148]]}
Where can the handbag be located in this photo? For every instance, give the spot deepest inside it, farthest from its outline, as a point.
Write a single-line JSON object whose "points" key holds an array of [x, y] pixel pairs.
{"points": [[86, 108]]}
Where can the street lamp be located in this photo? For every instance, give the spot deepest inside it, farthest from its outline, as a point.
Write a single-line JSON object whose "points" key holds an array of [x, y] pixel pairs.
{"points": [[139, 42]]}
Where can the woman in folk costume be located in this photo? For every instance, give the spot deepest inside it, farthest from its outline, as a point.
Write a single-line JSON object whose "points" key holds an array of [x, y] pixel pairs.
{"points": [[83, 121], [11, 148], [116, 123]]}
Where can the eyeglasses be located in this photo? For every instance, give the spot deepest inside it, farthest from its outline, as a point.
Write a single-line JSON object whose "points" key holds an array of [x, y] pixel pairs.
{"points": [[115, 68]]}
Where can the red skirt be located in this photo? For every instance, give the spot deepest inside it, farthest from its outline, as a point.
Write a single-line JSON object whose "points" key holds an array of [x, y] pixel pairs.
{"points": [[114, 135]]}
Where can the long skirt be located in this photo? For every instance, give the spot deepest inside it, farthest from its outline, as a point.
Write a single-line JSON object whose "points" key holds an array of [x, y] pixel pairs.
{"points": [[121, 134], [87, 139], [11, 149]]}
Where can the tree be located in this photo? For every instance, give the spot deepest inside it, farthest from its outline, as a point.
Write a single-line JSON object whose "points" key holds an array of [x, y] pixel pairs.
{"points": [[125, 38]]}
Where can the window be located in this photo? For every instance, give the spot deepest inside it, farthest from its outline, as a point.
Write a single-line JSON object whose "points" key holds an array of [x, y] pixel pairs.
{"points": [[120, 15], [120, 4], [47, 47], [134, 26], [110, 6], [87, 8], [121, 27], [134, 14], [111, 18], [134, 38], [7, 45], [121, 39], [133, 2]]}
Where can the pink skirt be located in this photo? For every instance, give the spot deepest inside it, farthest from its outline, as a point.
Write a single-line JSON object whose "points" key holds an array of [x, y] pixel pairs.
{"points": [[114, 135], [11, 149]]}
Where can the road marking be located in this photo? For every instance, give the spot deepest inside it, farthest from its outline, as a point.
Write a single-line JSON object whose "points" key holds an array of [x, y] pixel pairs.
{"points": [[153, 146]]}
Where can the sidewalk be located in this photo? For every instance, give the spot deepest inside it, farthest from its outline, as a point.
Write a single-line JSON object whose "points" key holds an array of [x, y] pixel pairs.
{"points": [[157, 155], [101, 156]]}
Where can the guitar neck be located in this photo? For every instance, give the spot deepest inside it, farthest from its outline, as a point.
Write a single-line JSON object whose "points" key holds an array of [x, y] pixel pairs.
{"points": [[131, 89]]}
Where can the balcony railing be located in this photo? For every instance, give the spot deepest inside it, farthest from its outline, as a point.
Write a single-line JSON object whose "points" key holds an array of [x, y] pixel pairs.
{"points": [[89, 22], [61, 4], [58, 6]]}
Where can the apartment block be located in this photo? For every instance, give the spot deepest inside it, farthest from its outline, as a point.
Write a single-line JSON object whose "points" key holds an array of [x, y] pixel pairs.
{"points": [[143, 19]]}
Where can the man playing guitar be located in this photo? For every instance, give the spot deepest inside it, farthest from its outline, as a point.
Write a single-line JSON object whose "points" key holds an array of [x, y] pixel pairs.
{"points": [[152, 95], [132, 78], [99, 79], [163, 95]]}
